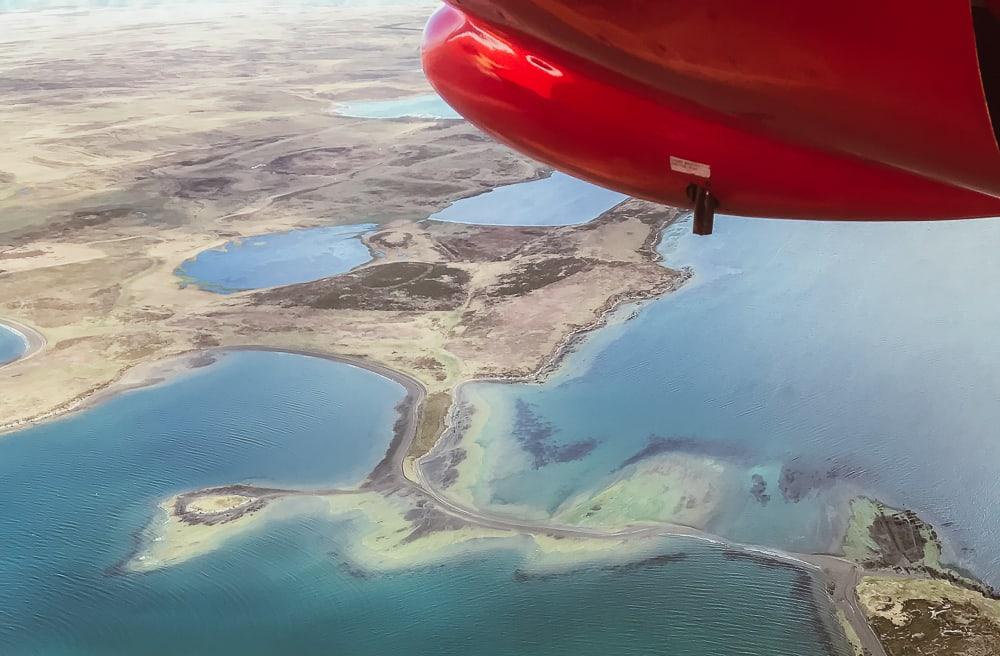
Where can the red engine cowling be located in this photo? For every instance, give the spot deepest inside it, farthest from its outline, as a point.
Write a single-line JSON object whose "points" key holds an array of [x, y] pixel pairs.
{"points": [[582, 88]]}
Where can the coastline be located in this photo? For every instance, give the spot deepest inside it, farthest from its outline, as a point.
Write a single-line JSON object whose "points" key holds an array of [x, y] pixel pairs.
{"points": [[550, 366], [139, 376], [392, 473], [148, 373], [409, 409], [34, 341]]}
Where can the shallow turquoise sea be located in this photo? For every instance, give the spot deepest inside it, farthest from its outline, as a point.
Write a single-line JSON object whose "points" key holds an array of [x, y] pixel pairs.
{"points": [[74, 494], [12, 345], [861, 357]]}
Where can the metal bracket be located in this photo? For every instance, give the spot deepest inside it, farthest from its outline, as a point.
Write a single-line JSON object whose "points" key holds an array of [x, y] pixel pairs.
{"points": [[705, 205]]}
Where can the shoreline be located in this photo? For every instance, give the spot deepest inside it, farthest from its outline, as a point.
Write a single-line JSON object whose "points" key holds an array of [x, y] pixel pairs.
{"points": [[574, 339], [34, 341], [148, 374], [390, 473], [139, 376], [409, 409]]}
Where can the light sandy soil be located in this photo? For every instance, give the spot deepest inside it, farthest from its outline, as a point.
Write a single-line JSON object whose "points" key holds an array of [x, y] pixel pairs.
{"points": [[215, 504], [185, 130]]}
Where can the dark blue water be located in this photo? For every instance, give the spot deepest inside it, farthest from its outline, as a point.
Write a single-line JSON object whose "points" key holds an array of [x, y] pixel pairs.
{"points": [[12, 345], [281, 258], [860, 355], [553, 201], [73, 493]]}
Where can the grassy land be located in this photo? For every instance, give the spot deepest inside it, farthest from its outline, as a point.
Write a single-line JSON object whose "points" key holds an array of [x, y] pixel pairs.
{"points": [[432, 420]]}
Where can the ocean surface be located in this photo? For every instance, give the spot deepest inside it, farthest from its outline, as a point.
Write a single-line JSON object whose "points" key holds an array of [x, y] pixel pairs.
{"points": [[428, 105], [857, 357], [280, 258], [75, 492], [12, 345], [553, 201]]}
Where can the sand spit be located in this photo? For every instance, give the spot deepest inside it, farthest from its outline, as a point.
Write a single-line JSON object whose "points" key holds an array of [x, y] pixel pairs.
{"points": [[406, 522]]}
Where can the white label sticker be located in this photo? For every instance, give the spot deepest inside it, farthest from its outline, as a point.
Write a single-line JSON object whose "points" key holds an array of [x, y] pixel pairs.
{"points": [[682, 165]]}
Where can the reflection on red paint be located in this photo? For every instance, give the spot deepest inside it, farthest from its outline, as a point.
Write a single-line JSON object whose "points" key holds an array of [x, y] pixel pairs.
{"points": [[617, 131]]}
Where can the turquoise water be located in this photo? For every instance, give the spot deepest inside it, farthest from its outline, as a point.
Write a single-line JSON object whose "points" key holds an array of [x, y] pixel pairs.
{"points": [[281, 258], [12, 345], [75, 491], [553, 201], [73, 494], [862, 355], [428, 105], [281, 593]]}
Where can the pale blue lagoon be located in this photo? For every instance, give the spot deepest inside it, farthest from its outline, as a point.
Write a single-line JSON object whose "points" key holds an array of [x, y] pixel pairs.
{"points": [[429, 105], [280, 258], [555, 200], [76, 493], [12, 345], [856, 358]]}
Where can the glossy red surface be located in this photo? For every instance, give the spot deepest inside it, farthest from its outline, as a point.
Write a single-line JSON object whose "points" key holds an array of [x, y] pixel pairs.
{"points": [[892, 81], [619, 131]]}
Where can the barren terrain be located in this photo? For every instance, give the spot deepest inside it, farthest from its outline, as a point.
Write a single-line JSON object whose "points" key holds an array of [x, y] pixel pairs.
{"points": [[164, 145]]}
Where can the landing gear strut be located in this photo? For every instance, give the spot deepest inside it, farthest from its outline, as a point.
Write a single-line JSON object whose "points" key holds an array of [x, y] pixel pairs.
{"points": [[704, 208]]}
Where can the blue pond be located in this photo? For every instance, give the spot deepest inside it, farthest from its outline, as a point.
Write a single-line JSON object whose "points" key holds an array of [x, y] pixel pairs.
{"points": [[73, 493], [553, 201], [12, 345], [862, 356], [428, 105], [281, 258]]}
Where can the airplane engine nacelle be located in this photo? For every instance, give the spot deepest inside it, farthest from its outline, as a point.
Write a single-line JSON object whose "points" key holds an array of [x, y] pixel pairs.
{"points": [[598, 90]]}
